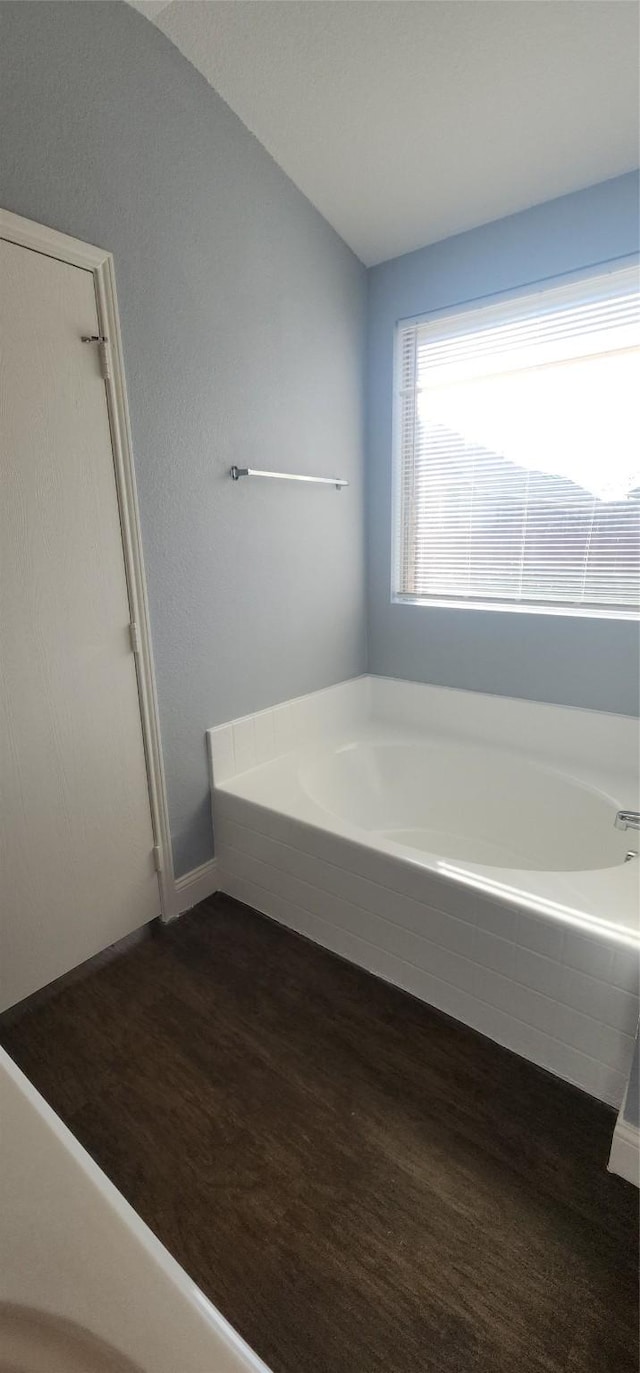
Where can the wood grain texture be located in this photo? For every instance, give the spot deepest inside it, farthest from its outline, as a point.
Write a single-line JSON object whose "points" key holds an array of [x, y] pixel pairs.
{"points": [[360, 1184]]}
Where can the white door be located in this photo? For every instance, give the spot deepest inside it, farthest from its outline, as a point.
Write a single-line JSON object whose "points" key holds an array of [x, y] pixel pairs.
{"points": [[76, 840]]}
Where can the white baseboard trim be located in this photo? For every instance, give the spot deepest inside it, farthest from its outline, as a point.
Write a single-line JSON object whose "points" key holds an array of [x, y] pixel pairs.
{"points": [[624, 1158], [194, 886]]}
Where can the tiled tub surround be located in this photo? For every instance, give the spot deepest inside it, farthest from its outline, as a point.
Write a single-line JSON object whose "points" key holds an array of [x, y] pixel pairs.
{"points": [[311, 828]]}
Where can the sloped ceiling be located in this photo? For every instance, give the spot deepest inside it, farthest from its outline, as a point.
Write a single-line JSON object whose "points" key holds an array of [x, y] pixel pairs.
{"points": [[405, 121]]}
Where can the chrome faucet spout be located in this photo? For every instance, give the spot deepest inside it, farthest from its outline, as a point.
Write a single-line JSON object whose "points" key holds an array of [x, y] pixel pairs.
{"points": [[627, 820]]}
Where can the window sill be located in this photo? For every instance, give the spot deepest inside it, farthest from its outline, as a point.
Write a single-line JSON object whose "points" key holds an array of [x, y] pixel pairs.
{"points": [[511, 607]]}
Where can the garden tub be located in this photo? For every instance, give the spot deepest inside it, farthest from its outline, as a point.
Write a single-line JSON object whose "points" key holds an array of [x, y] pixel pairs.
{"points": [[459, 845]]}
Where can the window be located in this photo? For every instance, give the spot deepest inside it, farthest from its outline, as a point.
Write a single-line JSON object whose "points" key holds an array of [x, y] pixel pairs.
{"points": [[517, 460]]}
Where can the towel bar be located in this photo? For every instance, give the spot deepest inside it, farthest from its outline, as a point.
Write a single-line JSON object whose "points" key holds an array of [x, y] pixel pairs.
{"points": [[237, 472]]}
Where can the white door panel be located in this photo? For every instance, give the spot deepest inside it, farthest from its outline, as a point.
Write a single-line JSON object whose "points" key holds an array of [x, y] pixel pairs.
{"points": [[76, 864]]}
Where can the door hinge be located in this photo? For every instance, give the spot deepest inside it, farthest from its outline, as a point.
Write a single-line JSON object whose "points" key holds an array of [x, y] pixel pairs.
{"points": [[157, 858], [103, 353], [134, 637]]}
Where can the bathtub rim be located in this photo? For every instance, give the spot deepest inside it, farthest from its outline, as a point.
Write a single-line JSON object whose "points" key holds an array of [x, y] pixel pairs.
{"points": [[350, 911], [304, 818]]}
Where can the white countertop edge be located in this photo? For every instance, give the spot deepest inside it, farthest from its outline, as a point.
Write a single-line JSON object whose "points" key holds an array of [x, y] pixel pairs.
{"points": [[203, 1311]]}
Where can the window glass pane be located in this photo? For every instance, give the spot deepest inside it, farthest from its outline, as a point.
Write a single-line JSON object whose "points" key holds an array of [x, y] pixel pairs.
{"points": [[518, 461]]}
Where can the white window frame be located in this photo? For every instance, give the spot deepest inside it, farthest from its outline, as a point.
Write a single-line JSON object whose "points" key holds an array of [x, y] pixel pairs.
{"points": [[525, 291]]}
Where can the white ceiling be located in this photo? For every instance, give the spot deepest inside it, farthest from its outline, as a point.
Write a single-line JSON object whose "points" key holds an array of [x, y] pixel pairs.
{"points": [[405, 121]]}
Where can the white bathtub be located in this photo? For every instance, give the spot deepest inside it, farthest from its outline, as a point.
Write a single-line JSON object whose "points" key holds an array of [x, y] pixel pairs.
{"points": [[461, 846]]}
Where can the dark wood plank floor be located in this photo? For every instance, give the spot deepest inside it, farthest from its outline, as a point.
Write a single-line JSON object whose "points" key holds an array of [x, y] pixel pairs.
{"points": [[360, 1184]]}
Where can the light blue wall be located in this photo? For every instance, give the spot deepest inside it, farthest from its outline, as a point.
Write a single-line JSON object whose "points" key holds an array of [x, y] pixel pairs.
{"points": [[581, 662], [243, 320]]}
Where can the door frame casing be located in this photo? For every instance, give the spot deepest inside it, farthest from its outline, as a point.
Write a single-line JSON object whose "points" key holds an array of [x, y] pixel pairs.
{"points": [[39, 238]]}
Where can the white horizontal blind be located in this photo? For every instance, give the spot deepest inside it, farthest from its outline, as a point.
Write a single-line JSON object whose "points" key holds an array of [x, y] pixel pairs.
{"points": [[518, 453]]}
